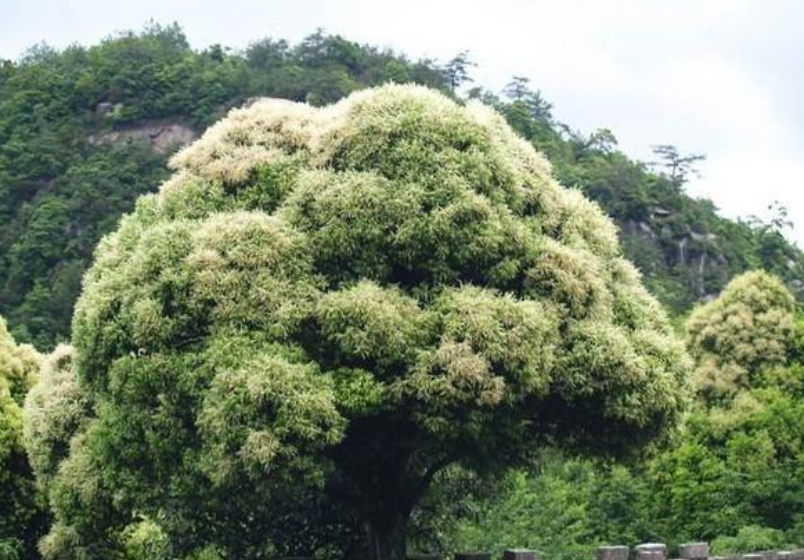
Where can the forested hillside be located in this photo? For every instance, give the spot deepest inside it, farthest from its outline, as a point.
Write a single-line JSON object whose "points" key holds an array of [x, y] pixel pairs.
{"points": [[85, 131]]}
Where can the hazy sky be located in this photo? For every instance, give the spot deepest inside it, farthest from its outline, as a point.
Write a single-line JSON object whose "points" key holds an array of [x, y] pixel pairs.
{"points": [[719, 77]]}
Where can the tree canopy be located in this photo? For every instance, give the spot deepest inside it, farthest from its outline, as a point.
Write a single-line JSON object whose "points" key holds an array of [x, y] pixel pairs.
{"points": [[20, 510], [736, 473], [343, 302], [747, 329]]}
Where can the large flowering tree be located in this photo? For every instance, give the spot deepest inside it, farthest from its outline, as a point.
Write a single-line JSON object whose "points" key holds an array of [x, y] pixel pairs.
{"points": [[342, 302]]}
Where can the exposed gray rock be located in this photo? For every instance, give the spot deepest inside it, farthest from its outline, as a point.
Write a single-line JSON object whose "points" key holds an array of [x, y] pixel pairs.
{"points": [[252, 100], [161, 136], [704, 237], [682, 251], [106, 109], [645, 229], [103, 108]]}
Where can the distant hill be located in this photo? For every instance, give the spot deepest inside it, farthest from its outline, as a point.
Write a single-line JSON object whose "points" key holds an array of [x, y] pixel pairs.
{"points": [[85, 131]]}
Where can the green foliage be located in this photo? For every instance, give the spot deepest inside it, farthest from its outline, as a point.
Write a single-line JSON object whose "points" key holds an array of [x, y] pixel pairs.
{"points": [[21, 515], [145, 541], [751, 538], [410, 289], [56, 409], [746, 330], [64, 182], [19, 365], [564, 508], [397, 264], [558, 527], [735, 474]]}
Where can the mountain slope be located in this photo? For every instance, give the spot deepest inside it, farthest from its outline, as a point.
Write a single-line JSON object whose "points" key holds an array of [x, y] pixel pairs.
{"points": [[85, 131]]}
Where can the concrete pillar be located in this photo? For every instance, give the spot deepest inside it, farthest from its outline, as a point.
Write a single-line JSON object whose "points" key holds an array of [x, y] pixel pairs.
{"points": [[651, 551], [694, 551], [520, 554], [612, 553]]}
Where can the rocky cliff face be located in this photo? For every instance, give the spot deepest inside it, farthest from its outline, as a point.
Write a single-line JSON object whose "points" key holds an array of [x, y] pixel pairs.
{"points": [[696, 253], [681, 264], [163, 136]]}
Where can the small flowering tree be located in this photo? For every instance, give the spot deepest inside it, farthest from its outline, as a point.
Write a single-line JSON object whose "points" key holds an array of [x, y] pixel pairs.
{"points": [[750, 327], [20, 514], [348, 300]]}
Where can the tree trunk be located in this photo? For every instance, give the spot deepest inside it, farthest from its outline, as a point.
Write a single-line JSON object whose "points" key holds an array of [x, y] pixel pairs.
{"points": [[387, 538]]}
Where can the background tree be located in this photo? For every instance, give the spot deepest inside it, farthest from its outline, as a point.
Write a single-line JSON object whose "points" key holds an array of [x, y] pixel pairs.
{"points": [[735, 474], [522, 96], [736, 338], [21, 513], [676, 166], [344, 302], [456, 71]]}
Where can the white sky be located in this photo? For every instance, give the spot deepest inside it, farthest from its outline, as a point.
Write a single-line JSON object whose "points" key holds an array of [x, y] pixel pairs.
{"points": [[719, 77]]}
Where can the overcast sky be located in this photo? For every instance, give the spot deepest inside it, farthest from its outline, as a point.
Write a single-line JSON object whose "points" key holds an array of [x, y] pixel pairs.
{"points": [[719, 77]]}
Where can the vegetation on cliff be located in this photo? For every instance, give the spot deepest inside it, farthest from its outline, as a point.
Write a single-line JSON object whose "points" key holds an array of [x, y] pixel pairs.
{"points": [[85, 131]]}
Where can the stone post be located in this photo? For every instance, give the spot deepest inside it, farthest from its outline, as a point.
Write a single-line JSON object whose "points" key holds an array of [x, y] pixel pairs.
{"points": [[612, 553], [694, 551], [520, 554], [651, 551]]}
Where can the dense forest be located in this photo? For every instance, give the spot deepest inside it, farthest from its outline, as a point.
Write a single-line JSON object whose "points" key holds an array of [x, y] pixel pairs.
{"points": [[85, 131]]}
